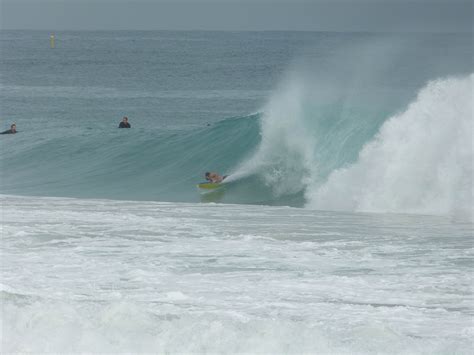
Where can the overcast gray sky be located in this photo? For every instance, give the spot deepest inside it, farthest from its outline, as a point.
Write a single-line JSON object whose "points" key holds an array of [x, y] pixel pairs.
{"points": [[307, 15]]}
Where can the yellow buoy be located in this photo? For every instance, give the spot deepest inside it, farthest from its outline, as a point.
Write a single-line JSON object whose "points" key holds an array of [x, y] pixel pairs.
{"points": [[51, 40]]}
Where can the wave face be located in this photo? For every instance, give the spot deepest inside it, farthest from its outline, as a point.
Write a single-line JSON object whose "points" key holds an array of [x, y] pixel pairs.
{"points": [[125, 164]]}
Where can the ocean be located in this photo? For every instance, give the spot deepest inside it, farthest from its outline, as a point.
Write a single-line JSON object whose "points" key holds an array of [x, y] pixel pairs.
{"points": [[344, 227]]}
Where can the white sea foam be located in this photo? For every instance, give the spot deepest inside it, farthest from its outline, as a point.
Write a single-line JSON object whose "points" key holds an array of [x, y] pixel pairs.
{"points": [[421, 161], [121, 276]]}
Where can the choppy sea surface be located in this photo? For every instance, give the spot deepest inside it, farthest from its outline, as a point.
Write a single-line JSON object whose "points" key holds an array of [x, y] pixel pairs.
{"points": [[345, 225]]}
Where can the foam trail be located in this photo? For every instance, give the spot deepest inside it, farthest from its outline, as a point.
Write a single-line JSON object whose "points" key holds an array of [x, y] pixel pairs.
{"points": [[421, 161]]}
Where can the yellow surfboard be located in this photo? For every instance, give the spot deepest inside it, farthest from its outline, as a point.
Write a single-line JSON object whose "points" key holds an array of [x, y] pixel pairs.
{"points": [[209, 185]]}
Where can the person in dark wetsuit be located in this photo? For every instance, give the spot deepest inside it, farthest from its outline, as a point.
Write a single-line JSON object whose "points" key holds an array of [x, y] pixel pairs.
{"points": [[12, 130], [124, 123]]}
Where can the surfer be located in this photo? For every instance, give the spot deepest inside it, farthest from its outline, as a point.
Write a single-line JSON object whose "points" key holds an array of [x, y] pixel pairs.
{"points": [[214, 177], [124, 123], [12, 130]]}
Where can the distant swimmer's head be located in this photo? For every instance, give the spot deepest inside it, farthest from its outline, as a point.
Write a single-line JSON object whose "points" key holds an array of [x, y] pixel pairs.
{"points": [[125, 119], [13, 126], [208, 176]]}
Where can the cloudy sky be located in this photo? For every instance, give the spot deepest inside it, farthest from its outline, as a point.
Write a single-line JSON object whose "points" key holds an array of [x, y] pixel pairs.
{"points": [[306, 15]]}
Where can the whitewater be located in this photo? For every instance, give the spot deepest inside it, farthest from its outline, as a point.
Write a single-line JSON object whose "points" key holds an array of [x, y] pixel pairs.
{"points": [[419, 161], [345, 225], [113, 276]]}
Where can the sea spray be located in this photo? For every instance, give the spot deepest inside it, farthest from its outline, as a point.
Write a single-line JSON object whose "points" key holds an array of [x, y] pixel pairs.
{"points": [[284, 159], [334, 133], [320, 116]]}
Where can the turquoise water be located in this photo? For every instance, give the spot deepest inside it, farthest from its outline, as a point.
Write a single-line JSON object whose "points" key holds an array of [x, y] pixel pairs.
{"points": [[201, 101]]}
